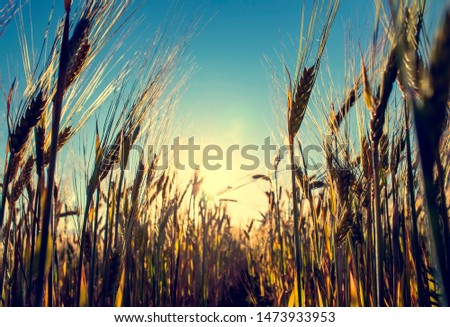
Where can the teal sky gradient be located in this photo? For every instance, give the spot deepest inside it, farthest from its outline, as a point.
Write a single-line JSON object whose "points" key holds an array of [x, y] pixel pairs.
{"points": [[232, 81], [228, 97]]}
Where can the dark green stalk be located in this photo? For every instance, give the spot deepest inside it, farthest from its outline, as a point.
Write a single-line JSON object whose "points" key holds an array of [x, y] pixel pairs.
{"points": [[444, 215], [436, 228], [298, 263], [280, 236], [378, 230], [395, 240], [56, 119], [313, 210], [94, 252], [412, 198], [6, 180], [5, 257], [387, 237], [369, 256], [204, 247], [82, 241], [35, 224], [431, 116], [106, 245], [177, 257], [347, 273], [118, 198]]}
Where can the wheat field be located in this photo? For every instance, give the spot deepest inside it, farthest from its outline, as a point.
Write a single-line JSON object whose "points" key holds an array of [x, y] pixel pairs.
{"points": [[370, 229]]}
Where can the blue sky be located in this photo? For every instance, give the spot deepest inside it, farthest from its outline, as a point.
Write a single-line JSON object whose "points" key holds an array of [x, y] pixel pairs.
{"points": [[231, 83], [228, 96]]}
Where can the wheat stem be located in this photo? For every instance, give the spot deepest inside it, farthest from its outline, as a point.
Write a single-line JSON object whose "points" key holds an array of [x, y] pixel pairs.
{"points": [[56, 119]]}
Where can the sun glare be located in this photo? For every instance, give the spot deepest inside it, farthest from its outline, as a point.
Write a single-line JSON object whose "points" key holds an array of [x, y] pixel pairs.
{"points": [[216, 183]]}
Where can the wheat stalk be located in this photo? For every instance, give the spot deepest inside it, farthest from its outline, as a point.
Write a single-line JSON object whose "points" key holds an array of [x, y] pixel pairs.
{"points": [[56, 119], [430, 120]]}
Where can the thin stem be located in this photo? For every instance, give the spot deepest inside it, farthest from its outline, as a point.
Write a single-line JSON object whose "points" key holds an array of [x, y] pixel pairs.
{"points": [[378, 230], [56, 118], [298, 263], [412, 197], [94, 251]]}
